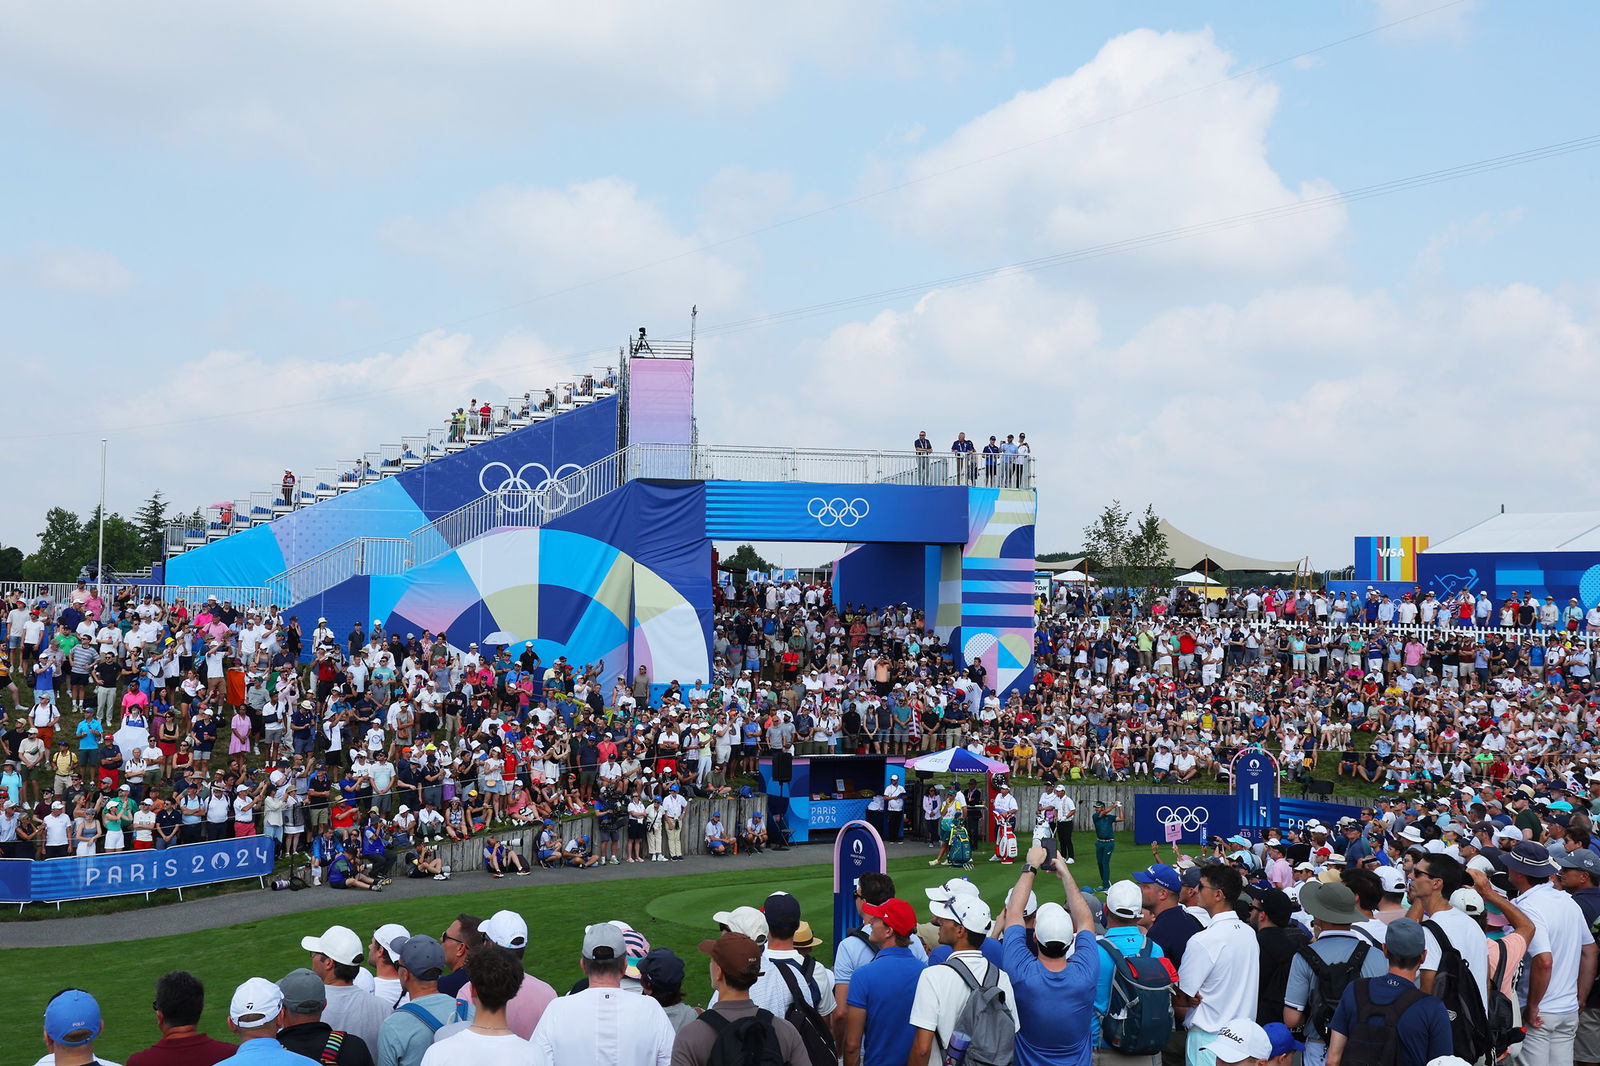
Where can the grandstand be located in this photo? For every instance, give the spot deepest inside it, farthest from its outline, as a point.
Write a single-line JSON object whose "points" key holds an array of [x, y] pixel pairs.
{"points": [[459, 432], [580, 523]]}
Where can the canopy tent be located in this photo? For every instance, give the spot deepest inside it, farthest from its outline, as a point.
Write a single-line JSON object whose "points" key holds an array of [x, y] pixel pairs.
{"points": [[1194, 577], [1073, 577], [1551, 531], [956, 761], [1191, 553], [1062, 567]]}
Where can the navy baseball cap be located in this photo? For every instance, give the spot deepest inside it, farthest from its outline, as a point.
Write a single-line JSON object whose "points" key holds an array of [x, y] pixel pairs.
{"points": [[1161, 874]]}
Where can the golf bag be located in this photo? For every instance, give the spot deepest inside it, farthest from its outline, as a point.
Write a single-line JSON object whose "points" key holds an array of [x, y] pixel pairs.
{"points": [[1005, 838], [960, 846]]}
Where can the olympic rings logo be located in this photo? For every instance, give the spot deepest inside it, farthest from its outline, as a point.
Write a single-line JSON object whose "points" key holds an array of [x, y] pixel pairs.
{"points": [[837, 511], [517, 491], [1191, 818]]}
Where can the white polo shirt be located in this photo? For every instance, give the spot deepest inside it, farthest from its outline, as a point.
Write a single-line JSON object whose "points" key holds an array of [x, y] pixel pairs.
{"points": [[1559, 928], [941, 993], [603, 1025], [1221, 965], [1465, 936]]}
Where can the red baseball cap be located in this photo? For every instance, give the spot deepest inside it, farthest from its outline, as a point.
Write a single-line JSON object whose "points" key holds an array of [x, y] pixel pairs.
{"points": [[897, 914]]}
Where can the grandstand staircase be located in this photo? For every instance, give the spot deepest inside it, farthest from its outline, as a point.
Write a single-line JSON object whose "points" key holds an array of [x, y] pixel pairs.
{"points": [[515, 505], [224, 519]]}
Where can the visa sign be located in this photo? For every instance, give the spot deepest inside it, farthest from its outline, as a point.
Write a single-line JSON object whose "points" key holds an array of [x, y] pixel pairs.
{"points": [[1388, 558]]}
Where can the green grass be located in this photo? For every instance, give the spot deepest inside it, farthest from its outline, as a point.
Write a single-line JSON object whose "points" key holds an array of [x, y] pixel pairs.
{"points": [[672, 912]]}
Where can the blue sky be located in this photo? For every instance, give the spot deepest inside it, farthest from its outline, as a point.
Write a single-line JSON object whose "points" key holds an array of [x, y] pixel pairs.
{"points": [[272, 209]]}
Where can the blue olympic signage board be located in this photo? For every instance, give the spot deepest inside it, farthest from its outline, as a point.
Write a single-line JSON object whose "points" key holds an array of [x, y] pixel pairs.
{"points": [[1198, 814], [781, 510], [131, 872], [1255, 787], [857, 850], [1295, 813]]}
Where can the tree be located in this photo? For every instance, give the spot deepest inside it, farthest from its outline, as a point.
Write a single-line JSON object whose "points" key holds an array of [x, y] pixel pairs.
{"points": [[744, 557], [60, 553], [1105, 540], [124, 549], [11, 564], [1148, 551], [151, 519], [1130, 555]]}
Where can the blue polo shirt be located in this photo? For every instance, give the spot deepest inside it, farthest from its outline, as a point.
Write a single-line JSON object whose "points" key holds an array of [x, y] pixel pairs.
{"points": [[884, 988], [1054, 1008], [1423, 1030], [1130, 940], [265, 1051], [991, 950]]}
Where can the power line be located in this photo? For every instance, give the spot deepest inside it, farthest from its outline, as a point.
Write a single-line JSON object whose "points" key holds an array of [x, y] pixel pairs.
{"points": [[969, 277], [1096, 251], [890, 190]]}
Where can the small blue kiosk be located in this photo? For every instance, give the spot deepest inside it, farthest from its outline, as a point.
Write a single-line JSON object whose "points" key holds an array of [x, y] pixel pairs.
{"points": [[825, 792]]}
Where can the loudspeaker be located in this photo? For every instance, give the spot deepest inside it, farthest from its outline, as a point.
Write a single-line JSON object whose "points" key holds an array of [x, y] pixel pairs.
{"points": [[782, 767]]}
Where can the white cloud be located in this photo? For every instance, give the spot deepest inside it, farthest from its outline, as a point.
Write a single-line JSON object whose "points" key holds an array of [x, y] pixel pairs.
{"points": [[271, 413], [81, 270], [360, 82], [1134, 162], [541, 240], [1279, 425], [1476, 232]]}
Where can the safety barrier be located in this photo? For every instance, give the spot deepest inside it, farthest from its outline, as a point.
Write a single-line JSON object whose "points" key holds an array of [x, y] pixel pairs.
{"points": [[243, 596], [703, 462], [128, 873]]}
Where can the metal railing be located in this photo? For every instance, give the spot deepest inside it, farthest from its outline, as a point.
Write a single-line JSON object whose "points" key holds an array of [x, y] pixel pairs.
{"points": [[357, 557], [521, 503], [518, 503], [389, 459], [713, 462], [59, 591]]}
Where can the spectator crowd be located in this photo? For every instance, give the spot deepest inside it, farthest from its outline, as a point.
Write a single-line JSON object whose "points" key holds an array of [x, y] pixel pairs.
{"points": [[1454, 917], [1462, 932]]}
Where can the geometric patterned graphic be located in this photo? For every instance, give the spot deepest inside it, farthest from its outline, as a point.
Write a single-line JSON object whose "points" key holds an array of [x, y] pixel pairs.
{"points": [[565, 593], [996, 586]]}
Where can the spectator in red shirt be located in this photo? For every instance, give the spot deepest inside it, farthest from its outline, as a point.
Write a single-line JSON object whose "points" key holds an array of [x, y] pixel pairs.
{"points": [[180, 997]]}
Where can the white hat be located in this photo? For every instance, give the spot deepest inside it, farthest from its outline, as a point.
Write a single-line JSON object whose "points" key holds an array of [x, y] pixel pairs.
{"points": [[255, 1003], [1393, 880], [339, 943], [956, 886], [1125, 900], [973, 913], [1031, 907], [747, 920], [1468, 901], [387, 935], [1411, 833], [1307, 866], [1053, 925], [1510, 833], [1238, 1040], [507, 929]]}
